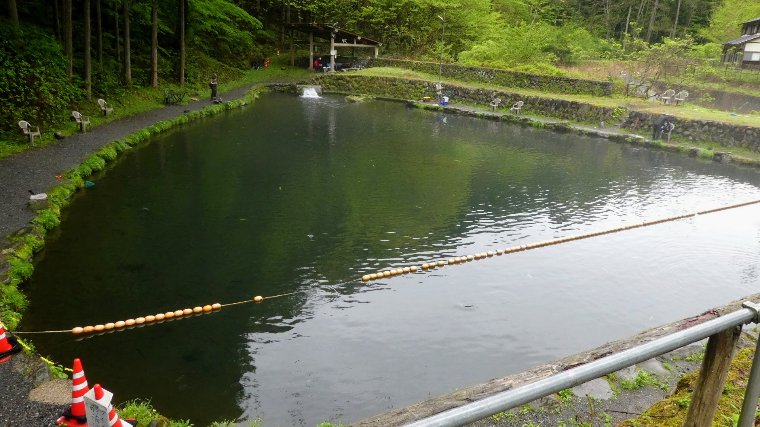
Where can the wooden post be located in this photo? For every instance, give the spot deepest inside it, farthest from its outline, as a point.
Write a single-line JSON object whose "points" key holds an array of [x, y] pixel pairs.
{"points": [[709, 387]]}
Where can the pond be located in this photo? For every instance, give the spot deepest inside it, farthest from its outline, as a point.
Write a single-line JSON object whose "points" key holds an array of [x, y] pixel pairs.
{"points": [[307, 195]]}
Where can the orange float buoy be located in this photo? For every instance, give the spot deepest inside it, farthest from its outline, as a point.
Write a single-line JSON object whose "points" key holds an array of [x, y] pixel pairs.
{"points": [[413, 268], [169, 314], [78, 330], [197, 309], [386, 273], [207, 308], [187, 311], [120, 324], [442, 263], [160, 316], [99, 328], [178, 313], [150, 318], [216, 306], [425, 266], [140, 320], [407, 269], [129, 322], [109, 326], [88, 329], [258, 298]]}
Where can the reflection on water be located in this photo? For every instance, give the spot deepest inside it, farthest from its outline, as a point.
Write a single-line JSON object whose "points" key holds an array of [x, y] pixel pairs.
{"points": [[307, 195]]}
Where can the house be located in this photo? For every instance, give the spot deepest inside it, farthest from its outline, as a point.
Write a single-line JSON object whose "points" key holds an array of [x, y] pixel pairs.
{"points": [[745, 50]]}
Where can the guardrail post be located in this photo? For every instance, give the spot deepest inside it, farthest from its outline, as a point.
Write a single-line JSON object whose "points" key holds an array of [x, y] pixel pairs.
{"points": [[709, 387], [752, 393]]}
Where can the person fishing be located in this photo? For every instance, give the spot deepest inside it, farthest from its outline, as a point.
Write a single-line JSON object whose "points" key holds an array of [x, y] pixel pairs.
{"points": [[213, 86]]}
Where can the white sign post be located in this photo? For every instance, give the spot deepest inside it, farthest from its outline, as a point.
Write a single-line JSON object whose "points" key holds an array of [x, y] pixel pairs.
{"points": [[97, 410]]}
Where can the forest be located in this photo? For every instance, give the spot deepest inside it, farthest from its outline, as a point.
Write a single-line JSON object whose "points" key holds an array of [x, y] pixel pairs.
{"points": [[56, 53]]}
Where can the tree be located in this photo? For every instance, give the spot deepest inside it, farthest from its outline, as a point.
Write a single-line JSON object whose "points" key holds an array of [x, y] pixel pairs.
{"points": [[127, 59], [100, 33], [68, 36], [13, 14], [154, 44], [182, 42], [87, 49]]}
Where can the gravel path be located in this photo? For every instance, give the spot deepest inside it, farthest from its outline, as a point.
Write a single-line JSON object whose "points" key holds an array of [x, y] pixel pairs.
{"points": [[18, 377]]}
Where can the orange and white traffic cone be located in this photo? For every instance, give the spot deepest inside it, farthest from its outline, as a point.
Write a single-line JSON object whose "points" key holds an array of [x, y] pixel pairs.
{"points": [[76, 416], [113, 417], [8, 345]]}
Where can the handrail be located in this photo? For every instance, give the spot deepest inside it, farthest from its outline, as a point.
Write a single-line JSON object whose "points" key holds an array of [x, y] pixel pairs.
{"points": [[512, 398]]}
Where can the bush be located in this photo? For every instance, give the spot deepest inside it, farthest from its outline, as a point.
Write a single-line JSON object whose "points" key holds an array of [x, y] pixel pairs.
{"points": [[33, 81]]}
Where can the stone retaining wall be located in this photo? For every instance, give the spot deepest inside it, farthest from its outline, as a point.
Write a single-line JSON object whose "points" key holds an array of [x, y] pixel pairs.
{"points": [[503, 77], [695, 130], [724, 134], [417, 89]]}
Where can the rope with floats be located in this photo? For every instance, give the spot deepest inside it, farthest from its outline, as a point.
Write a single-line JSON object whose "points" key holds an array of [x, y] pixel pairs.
{"points": [[519, 248], [154, 319]]}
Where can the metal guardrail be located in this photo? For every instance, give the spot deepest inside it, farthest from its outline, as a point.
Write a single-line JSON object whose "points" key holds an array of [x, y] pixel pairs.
{"points": [[512, 398]]}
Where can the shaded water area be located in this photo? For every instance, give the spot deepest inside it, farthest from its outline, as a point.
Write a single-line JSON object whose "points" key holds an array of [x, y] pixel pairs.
{"points": [[307, 195]]}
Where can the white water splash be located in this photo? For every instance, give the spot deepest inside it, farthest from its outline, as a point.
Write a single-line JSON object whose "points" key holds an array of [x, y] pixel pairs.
{"points": [[309, 92]]}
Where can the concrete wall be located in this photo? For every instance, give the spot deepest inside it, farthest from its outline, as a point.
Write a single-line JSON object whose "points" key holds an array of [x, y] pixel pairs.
{"points": [[503, 77]]}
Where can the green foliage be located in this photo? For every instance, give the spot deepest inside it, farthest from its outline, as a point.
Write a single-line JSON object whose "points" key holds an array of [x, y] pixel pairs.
{"points": [[33, 82], [222, 30], [725, 22], [642, 379]]}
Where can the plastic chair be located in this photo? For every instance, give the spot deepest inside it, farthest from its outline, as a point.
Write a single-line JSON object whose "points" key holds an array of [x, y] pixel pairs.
{"points": [[681, 96], [495, 104], [27, 130], [667, 96], [82, 120], [517, 107], [104, 107]]}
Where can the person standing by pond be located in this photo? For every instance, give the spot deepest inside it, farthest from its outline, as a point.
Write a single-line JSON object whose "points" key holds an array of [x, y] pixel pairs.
{"points": [[213, 85]]}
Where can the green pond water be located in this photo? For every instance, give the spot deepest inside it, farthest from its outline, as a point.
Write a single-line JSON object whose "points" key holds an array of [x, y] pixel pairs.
{"points": [[307, 195]]}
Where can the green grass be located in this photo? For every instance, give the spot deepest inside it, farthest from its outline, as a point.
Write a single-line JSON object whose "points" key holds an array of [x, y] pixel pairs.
{"points": [[643, 379], [671, 411]]}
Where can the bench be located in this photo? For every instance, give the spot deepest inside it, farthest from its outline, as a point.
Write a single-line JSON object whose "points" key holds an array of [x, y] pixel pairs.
{"points": [[27, 130], [82, 120], [173, 97], [104, 107]]}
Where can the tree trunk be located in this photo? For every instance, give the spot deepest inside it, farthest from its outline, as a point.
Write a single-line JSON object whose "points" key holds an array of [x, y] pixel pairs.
{"points": [[127, 63], [154, 45], [87, 49], [627, 22], [182, 21], [69, 38], [13, 14], [675, 23], [100, 33], [118, 35], [651, 20], [57, 12]]}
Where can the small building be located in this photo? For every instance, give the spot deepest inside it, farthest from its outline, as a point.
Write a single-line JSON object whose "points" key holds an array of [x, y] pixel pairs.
{"points": [[744, 51], [336, 38]]}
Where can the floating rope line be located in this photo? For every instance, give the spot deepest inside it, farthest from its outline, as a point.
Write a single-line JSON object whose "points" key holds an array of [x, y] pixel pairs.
{"points": [[483, 255], [153, 319]]}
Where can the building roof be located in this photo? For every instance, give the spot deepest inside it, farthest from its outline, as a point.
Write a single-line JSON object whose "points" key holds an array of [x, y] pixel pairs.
{"points": [[326, 31], [743, 39]]}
